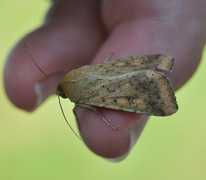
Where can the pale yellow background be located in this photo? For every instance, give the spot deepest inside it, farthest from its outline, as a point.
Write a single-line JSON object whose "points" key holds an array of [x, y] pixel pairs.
{"points": [[41, 146]]}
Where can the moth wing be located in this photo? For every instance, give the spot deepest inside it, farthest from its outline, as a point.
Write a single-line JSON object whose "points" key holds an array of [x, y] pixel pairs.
{"points": [[135, 63], [144, 91]]}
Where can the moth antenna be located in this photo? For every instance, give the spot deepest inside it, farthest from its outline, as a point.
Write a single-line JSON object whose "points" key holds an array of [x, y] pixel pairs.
{"points": [[27, 49], [66, 118]]}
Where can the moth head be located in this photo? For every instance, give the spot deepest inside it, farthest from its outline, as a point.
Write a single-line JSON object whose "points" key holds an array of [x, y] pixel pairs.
{"points": [[60, 92]]}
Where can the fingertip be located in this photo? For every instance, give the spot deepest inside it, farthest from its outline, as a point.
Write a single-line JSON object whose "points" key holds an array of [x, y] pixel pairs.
{"points": [[16, 79], [25, 85], [134, 136], [102, 139]]}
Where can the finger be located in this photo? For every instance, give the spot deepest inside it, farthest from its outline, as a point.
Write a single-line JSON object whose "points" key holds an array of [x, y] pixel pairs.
{"points": [[151, 28], [71, 34], [150, 32], [104, 140]]}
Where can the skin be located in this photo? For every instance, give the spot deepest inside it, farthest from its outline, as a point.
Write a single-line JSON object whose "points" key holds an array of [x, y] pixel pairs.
{"points": [[77, 33]]}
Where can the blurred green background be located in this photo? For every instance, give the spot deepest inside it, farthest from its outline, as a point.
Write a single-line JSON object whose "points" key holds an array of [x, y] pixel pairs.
{"points": [[40, 145]]}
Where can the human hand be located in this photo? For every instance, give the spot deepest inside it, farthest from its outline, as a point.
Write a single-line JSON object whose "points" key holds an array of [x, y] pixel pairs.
{"points": [[76, 33]]}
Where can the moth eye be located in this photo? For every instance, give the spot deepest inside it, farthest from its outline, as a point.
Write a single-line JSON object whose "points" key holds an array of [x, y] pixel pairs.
{"points": [[62, 95], [60, 92]]}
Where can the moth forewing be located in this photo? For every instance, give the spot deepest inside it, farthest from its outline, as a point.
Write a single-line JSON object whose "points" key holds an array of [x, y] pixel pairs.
{"points": [[127, 84], [135, 63]]}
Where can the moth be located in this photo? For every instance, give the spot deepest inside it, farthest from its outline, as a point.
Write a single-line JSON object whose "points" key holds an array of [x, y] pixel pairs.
{"points": [[129, 84]]}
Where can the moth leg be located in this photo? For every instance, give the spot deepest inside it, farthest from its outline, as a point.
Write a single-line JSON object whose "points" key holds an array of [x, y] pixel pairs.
{"points": [[109, 57], [94, 110]]}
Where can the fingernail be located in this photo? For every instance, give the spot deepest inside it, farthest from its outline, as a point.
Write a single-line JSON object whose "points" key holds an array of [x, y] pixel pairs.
{"points": [[45, 88], [42, 91], [39, 99], [38, 91]]}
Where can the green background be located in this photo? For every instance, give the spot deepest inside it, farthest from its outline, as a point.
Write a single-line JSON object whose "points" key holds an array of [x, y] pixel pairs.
{"points": [[40, 145]]}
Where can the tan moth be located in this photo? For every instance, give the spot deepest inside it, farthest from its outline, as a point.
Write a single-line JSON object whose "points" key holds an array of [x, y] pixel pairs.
{"points": [[129, 84]]}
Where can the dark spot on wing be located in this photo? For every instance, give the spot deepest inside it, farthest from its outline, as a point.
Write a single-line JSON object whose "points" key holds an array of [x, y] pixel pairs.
{"points": [[130, 100], [115, 100], [128, 63]]}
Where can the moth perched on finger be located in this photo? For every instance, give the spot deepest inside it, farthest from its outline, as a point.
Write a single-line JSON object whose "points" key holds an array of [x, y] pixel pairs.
{"points": [[129, 84]]}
